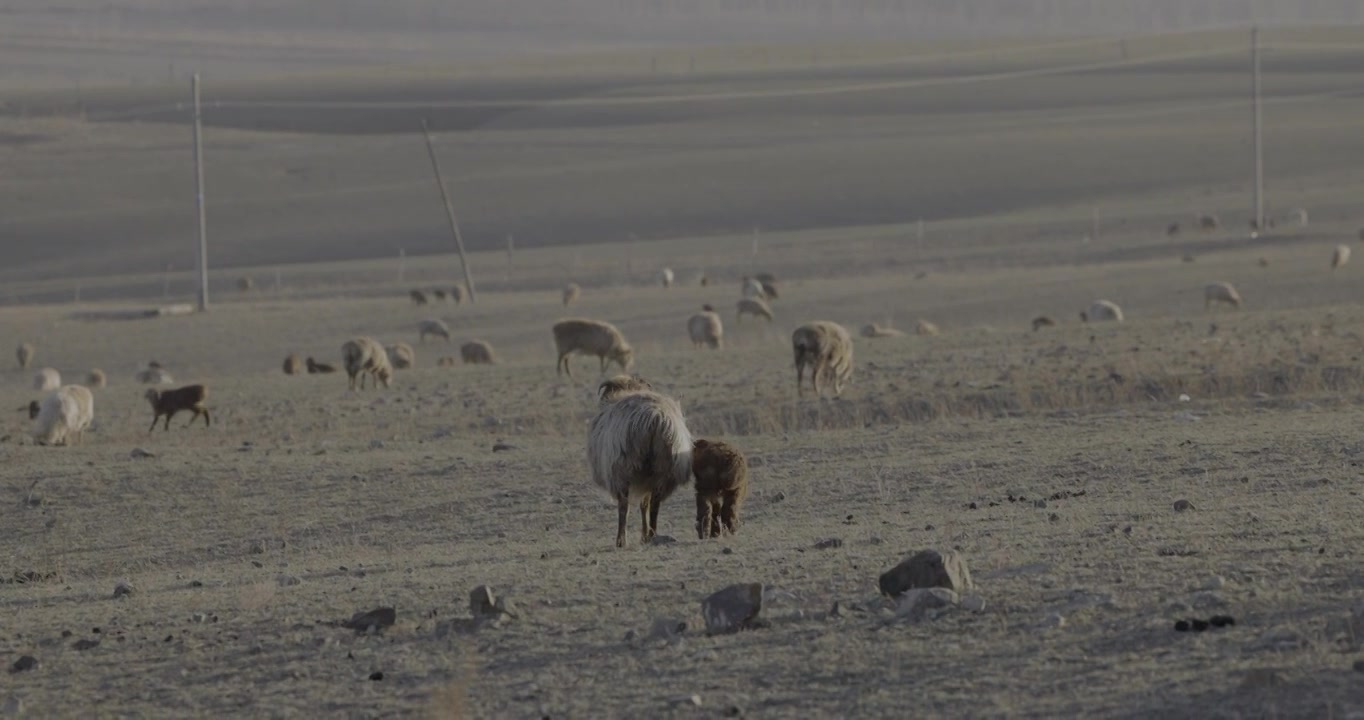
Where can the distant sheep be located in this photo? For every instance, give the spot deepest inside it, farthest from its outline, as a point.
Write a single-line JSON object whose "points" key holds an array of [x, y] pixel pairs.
{"points": [[47, 379], [457, 294], [591, 337], [401, 356], [827, 349], [1264, 262], [166, 403], [1299, 216], [63, 416], [754, 307], [721, 473], [1042, 321], [1102, 311], [432, 327], [1220, 292], [477, 352], [1208, 222], [96, 378], [317, 368], [293, 364], [638, 448], [25, 353], [245, 284], [872, 330], [1340, 256], [924, 327], [754, 288], [665, 277], [154, 374], [418, 297], [571, 292], [366, 357], [705, 328], [439, 295], [445, 361], [1172, 230]]}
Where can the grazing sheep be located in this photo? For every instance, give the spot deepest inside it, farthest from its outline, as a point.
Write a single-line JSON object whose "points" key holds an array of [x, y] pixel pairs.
{"points": [[827, 349], [439, 295], [401, 356], [1102, 310], [432, 327], [96, 378], [591, 337], [721, 473], [457, 294], [1340, 256], [317, 368], [24, 353], [754, 307], [154, 374], [293, 364], [47, 379], [706, 329], [1208, 222], [872, 330], [477, 352], [418, 297], [366, 357], [925, 327], [169, 402], [1220, 292], [638, 448], [245, 284], [665, 277], [63, 416], [1042, 321], [571, 292]]}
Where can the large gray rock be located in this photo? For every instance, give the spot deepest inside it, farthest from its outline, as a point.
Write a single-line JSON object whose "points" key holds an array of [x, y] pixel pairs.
{"points": [[927, 569], [732, 609]]}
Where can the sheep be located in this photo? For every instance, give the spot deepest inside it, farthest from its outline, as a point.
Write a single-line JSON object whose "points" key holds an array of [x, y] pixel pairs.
{"points": [[47, 379], [245, 284], [873, 330], [439, 295], [706, 329], [612, 388], [1208, 222], [317, 368], [293, 364], [96, 378], [432, 327], [24, 353], [1299, 216], [925, 327], [827, 349], [1220, 292], [401, 356], [418, 297], [638, 448], [154, 374], [754, 307], [366, 357], [769, 284], [457, 294], [477, 352], [63, 416], [1340, 256], [665, 277], [721, 474], [591, 337], [1042, 321], [1102, 310], [571, 292], [168, 402], [755, 290]]}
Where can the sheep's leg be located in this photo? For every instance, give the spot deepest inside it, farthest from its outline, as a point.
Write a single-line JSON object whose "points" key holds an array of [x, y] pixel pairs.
{"points": [[729, 514], [169, 415], [702, 517], [800, 379], [653, 517], [154, 419], [645, 532], [623, 510], [207, 421], [815, 372]]}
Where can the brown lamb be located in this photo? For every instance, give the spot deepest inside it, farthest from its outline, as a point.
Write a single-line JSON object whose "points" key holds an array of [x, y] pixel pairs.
{"points": [[169, 402], [721, 473]]}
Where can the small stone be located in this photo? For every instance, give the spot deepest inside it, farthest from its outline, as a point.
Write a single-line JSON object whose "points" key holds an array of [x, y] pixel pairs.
{"points": [[663, 540], [837, 610], [727, 551], [123, 588], [1054, 620], [196, 583], [1181, 626], [778, 496], [482, 601], [288, 580], [629, 636], [1183, 505], [1208, 601], [139, 453], [84, 644], [927, 569], [973, 603], [377, 675], [1214, 582], [733, 608], [1054, 517], [692, 700], [198, 618], [829, 543], [506, 608], [24, 664], [1040, 504], [666, 628], [376, 620], [500, 446]]}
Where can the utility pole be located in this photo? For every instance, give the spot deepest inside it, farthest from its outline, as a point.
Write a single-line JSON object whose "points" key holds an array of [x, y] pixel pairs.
{"points": [[1257, 129], [199, 189], [450, 214]]}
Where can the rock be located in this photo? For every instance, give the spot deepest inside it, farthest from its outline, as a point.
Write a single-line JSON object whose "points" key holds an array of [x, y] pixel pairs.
{"points": [[733, 608], [198, 618], [482, 601], [778, 496], [1183, 505], [837, 610], [24, 664], [1040, 504], [123, 588], [1208, 601], [1213, 582], [506, 608], [1053, 620], [139, 453], [377, 675], [500, 446], [1359, 666], [666, 628], [376, 444], [1281, 639], [920, 603], [663, 540], [376, 620], [692, 700], [829, 543], [84, 644], [288, 580], [973, 603], [927, 569]]}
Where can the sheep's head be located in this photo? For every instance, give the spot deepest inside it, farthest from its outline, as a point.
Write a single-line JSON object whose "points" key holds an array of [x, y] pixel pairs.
{"points": [[152, 395], [699, 445], [708, 308], [611, 389], [624, 356]]}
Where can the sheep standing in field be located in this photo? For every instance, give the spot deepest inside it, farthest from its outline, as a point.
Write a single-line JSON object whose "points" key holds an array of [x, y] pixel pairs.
{"points": [[63, 416], [401, 356], [721, 473], [245, 284], [665, 277], [638, 449], [925, 327], [316, 368], [591, 337], [154, 374], [705, 328], [754, 307], [1102, 311], [1220, 292], [873, 330], [827, 349], [457, 294], [1299, 216], [1340, 256], [96, 378], [418, 297], [477, 352], [366, 357], [24, 353], [571, 292], [1208, 222], [293, 364], [169, 402], [1042, 321], [47, 379], [432, 327]]}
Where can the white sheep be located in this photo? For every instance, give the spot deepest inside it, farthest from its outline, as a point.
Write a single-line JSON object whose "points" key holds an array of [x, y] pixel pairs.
{"points": [[477, 352], [1102, 310], [47, 379], [432, 327], [1340, 256], [638, 449], [705, 328], [154, 374], [293, 364], [401, 356], [1220, 292], [665, 277], [24, 353], [366, 357], [753, 306], [591, 337], [571, 293], [873, 330], [827, 349], [457, 294], [96, 378], [925, 327], [64, 416]]}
